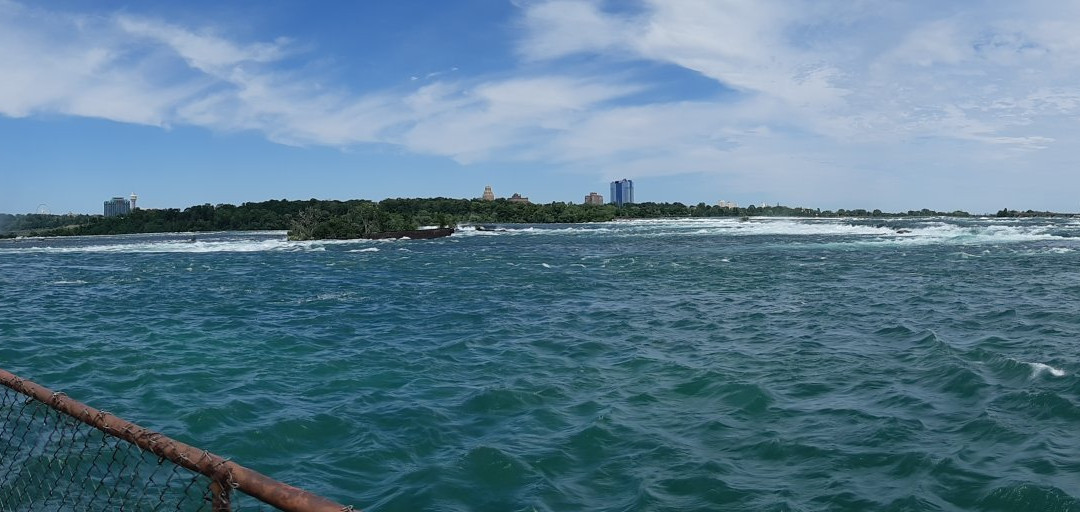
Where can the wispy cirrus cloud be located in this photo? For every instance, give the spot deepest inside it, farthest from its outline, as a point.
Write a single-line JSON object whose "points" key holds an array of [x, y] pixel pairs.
{"points": [[847, 88], [74, 65], [145, 71], [804, 61], [744, 45]]}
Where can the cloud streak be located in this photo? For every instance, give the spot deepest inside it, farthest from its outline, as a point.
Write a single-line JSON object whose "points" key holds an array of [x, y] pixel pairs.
{"points": [[130, 69]]}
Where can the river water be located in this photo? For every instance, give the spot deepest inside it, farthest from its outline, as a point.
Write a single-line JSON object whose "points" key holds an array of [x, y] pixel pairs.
{"points": [[695, 364]]}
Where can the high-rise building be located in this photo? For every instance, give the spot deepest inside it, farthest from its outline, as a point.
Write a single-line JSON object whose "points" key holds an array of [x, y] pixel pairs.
{"points": [[117, 206], [488, 194], [622, 192], [594, 198]]}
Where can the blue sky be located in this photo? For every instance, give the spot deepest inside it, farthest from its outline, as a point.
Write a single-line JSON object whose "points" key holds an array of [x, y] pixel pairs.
{"points": [[885, 104]]}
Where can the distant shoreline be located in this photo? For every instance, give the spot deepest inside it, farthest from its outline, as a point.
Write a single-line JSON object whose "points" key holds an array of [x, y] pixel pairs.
{"points": [[313, 218]]}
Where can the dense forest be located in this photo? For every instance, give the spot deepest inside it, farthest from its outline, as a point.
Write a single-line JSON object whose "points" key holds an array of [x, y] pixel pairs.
{"points": [[350, 219]]}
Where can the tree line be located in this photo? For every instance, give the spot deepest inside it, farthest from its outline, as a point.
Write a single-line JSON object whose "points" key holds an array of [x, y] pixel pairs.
{"points": [[22, 223], [1005, 212], [349, 219]]}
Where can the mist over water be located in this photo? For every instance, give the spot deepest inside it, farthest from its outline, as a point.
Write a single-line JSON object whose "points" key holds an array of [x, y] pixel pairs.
{"points": [[695, 364]]}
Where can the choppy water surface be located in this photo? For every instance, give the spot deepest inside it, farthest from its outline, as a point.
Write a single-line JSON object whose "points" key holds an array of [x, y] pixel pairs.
{"points": [[649, 365]]}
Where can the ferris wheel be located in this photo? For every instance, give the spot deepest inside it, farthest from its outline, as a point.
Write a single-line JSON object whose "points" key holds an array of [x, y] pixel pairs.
{"points": [[43, 209]]}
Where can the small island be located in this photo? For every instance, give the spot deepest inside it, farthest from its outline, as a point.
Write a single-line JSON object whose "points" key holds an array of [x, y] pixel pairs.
{"points": [[363, 221]]}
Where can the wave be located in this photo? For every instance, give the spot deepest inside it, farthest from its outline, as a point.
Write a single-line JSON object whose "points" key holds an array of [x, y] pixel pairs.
{"points": [[165, 247], [537, 229], [1040, 368], [848, 231], [172, 243], [1009, 367], [336, 296], [801, 231]]}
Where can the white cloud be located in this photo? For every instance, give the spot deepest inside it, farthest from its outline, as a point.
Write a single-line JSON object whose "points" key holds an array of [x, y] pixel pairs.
{"points": [[564, 27], [740, 44], [510, 118], [205, 52], [900, 88], [938, 42], [48, 67], [815, 88], [144, 71]]}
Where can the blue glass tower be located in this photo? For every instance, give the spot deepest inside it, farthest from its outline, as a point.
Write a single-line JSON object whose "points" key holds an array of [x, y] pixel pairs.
{"points": [[622, 192]]}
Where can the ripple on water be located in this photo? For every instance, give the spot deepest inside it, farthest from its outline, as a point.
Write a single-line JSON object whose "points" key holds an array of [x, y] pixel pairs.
{"points": [[697, 493], [1039, 405], [1028, 496], [807, 365]]}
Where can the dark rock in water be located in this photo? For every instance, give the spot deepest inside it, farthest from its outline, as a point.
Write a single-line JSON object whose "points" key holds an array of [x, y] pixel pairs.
{"points": [[903, 231], [415, 234]]}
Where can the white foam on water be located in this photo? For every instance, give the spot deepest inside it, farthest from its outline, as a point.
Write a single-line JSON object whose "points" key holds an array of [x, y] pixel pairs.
{"points": [[173, 246], [545, 265], [366, 249], [914, 232], [472, 231], [907, 231], [755, 226], [335, 296], [68, 283], [215, 244], [1040, 368], [582, 228]]}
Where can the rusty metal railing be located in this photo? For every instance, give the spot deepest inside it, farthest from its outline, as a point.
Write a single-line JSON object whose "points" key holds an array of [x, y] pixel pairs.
{"points": [[44, 441]]}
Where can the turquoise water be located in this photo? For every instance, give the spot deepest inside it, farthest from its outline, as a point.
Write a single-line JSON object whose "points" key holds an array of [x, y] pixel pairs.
{"points": [[776, 364]]}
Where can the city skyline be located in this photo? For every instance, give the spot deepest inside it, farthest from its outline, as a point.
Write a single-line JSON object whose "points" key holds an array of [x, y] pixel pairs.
{"points": [[896, 106]]}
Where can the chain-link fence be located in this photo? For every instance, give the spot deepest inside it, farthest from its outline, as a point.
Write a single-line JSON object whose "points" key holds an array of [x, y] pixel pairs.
{"points": [[57, 454]]}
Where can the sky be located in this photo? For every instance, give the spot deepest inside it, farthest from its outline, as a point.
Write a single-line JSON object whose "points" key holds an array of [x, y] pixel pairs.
{"points": [[890, 104]]}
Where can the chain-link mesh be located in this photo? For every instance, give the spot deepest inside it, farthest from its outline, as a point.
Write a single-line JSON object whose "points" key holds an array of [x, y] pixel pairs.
{"points": [[57, 454], [50, 461]]}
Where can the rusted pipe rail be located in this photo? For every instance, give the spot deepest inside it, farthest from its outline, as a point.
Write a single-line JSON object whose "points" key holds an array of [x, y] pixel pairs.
{"points": [[224, 474]]}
